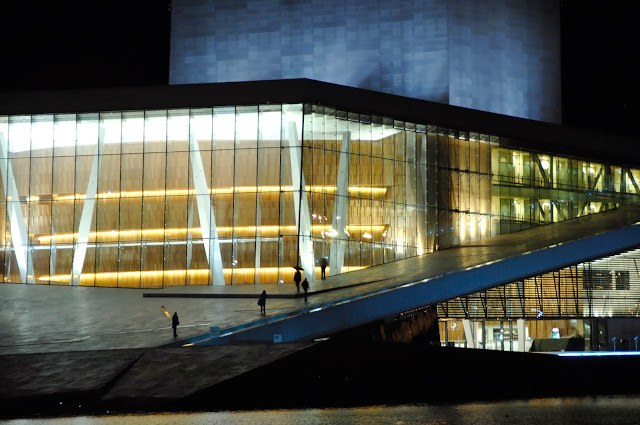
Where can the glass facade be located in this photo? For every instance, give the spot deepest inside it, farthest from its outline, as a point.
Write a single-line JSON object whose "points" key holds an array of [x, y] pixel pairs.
{"points": [[558, 304], [242, 194], [607, 287]]}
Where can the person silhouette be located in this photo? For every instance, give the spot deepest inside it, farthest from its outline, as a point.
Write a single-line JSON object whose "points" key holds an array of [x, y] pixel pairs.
{"points": [[305, 288], [262, 302], [174, 324], [297, 277], [323, 267]]}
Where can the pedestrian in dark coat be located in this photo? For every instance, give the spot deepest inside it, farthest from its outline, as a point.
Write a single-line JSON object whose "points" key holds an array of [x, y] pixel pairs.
{"points": [[305, 287], [297, 277], [174, 324], [323, 267], [262, 302]]}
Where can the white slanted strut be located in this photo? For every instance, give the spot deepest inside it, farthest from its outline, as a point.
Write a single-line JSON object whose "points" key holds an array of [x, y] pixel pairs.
{"points": [[303, 219], [205, 213], [340, 210], [522, 335], [19, 235], [470, 333], [88, 210]]}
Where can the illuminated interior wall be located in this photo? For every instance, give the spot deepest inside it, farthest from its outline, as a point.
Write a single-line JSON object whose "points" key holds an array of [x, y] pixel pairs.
{"points": [[464, 186], [146, 229], [532, 188], [232, 195], [502, 335], [143, 223]]}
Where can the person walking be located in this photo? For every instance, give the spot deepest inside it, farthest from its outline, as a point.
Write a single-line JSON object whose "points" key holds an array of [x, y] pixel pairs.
{"points": [[323, 267], [174, 324], [297, 277], [262, 302], [305, 288]]}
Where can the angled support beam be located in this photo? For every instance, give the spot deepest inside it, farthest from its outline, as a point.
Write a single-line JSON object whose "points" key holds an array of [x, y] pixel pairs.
{"points": [[521, 299], [595, 181], [190, 235], [19, 234], [503, 300], [470, 333], [543, 172], [633, 180], [575, 282], [340, 210], [464, 302], [623, 180], [544, 216], [88, 210], [301, 204], [522, 337], [554, 202], [205, 213], [582, 209]]}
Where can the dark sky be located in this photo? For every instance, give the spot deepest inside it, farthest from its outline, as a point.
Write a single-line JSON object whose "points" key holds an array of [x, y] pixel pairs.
{"points": [[600, 84], [74, 44]]}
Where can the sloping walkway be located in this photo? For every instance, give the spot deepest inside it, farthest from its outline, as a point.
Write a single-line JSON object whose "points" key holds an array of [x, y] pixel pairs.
{"points": [[429, 279]]}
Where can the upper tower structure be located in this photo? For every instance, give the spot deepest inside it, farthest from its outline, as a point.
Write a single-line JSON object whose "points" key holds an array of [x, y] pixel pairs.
{"points": [[492, 55]]}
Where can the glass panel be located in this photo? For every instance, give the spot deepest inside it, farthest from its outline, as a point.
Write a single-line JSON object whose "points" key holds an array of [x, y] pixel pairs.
{"points": [[19, 143], [111, 123], [42, 135], [177, 130], [223, 127], [133, 132], [155, 131], [201, 125], [87, 134], [246, 127]]}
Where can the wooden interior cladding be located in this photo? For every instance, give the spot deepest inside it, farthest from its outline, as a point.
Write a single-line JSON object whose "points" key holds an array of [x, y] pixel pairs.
{"points": [[146, 225]]}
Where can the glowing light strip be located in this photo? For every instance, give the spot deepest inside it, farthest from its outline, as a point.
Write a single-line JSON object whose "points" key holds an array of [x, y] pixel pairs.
{"points": [[157, 274], [181, 233], [214, 191]]}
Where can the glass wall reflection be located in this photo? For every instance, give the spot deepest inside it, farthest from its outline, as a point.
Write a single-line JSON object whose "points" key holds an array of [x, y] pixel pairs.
{"points": [[236, 195]]}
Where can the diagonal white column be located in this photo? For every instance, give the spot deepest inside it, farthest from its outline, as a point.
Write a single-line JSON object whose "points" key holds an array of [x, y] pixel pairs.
{"points": [[340, 210], [206, 213], [303, 219], [88, 209], [421, 195], [19, 234], [470, 333], [189, 234], [522, 337]]}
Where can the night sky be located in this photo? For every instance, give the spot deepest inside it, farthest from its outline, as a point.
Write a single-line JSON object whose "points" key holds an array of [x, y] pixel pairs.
{"points": [[77, 44]]}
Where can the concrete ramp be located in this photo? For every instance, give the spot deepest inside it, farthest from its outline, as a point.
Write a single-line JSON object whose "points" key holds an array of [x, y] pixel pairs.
{"points": [[440, 276]]}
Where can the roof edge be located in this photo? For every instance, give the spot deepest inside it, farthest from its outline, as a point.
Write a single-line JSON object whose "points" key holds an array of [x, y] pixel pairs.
{"points": [[516, 132]]}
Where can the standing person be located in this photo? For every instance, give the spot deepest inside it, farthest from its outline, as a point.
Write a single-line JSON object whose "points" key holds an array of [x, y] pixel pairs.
{"points": [[262, 302], [297, 278], [305, 287], [323, 267], [174, 324]]}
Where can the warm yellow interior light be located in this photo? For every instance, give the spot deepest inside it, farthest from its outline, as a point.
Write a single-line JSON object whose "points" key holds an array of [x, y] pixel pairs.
{"points": [[160, 275], [214, 191], [196, 232]]}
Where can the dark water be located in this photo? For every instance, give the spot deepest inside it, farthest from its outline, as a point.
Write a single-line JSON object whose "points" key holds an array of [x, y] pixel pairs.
{"points": [[584, 411]]}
